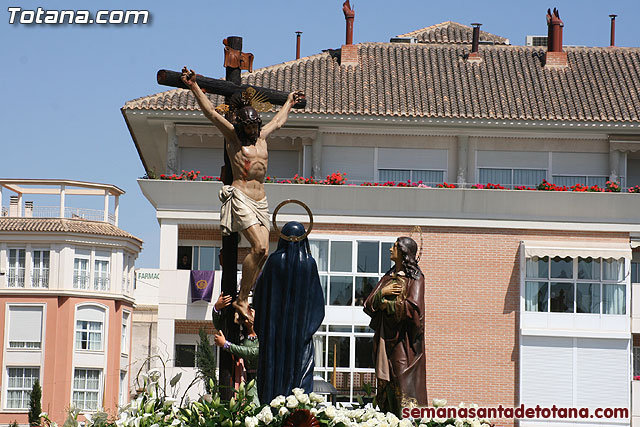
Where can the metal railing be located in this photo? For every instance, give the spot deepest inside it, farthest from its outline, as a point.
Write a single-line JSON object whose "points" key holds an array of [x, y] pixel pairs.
{"points": [[40, 278], [69, 212], [15, 279], [101, 283], [81, 280]]}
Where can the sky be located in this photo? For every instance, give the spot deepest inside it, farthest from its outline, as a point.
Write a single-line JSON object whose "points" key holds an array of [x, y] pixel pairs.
{"points": [[62, 86]]}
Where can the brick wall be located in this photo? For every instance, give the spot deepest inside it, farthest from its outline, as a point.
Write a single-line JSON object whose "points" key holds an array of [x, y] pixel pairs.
{"points": [[472, 278]]}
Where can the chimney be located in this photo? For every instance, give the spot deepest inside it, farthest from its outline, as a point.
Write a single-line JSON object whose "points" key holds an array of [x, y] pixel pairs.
{"points": [[612, 41], [13, 206], [28, 209], [555, 56], [474, 56], [349, 51], [298, 44]]}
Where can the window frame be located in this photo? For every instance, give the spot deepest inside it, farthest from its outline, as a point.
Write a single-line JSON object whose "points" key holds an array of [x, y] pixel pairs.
{"points": [[8, 329], [125, 331], [15, 273], [24, 390], [354, 274], [512, 169], [99, 390], [103, 331], [411, 175], [40, 274], [575, 281], [78, 278]]}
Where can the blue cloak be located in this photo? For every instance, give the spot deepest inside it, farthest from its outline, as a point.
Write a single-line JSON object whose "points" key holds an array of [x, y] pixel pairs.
{"points": [[289, 306]]}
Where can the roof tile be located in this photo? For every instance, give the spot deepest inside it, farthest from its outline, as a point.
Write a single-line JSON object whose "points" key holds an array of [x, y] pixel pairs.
{"points": [[436, 80]]}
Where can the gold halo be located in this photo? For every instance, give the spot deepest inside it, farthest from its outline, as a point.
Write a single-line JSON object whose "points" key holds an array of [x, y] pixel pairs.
{"points": [[293, 238], [419, 230]]}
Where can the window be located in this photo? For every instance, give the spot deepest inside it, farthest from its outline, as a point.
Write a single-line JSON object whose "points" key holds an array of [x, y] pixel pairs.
{"points": [[86, 389], [25, 327], [351, 348], [569, 285], [349, 270], [635, 269], [511, 177], [199, 258], [185, 355], [89, 328], [101, 275], [588, 180], [20, 383], [124, 389], [125, 333], [81, 273], [15, 277], [413, 175], [40, 269]]}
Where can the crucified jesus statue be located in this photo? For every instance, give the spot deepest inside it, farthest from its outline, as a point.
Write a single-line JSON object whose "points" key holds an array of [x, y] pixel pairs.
{"points": [[244, 204]]}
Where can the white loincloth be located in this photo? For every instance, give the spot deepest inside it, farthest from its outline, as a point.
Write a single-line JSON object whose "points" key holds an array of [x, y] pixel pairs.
{"points": [[239, 212]]}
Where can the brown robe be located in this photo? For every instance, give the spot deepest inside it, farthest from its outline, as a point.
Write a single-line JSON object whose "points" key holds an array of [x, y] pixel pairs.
{"points": [[398, 343]]}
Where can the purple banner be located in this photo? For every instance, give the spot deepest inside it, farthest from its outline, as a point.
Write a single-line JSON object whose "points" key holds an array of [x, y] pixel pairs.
{"points": [[201, 285]]}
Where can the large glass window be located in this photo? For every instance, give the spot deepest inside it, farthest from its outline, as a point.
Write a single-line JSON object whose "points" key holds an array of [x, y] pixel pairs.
{"points": [[15, 277], [350, 349], [40, 269], [349, 270], [570, 285], [511, 177], [86, 389], [19, 386]]}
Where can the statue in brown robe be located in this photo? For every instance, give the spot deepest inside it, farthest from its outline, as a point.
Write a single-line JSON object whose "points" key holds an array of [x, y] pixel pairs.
{"points": [[396, 308]]}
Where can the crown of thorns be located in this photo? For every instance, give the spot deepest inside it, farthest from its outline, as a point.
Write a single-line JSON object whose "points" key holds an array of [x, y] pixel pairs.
{"points": [[248, 98]]}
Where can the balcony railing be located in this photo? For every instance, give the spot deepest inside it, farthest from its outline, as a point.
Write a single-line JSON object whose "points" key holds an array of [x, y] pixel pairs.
{"points": [[40, 278], [69, 212], [81, 280], [15, 279], [101, 283]]}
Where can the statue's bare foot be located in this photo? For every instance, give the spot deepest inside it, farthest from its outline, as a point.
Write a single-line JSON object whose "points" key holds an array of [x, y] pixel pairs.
{"points": [[242, 310]]}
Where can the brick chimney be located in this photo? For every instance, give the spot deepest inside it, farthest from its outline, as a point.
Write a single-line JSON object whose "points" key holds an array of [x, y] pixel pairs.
{"points": [[612, 40], [474, 56], [555, 56], [349, 52], [298, 44]]}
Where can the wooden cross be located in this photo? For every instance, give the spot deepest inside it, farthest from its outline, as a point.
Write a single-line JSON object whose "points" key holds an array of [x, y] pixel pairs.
{"points": [[235, 61]]}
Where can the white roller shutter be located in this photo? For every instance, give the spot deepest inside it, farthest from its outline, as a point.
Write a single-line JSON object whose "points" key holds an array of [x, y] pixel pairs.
{"points": [[603, 373], [25, 323], [546, 371], [356, 162]]}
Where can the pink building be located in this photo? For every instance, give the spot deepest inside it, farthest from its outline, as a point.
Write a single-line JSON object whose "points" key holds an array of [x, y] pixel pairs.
{"points": [[66, 300]]}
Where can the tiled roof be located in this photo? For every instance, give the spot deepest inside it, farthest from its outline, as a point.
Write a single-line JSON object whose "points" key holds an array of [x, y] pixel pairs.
{"points": [[62, 225], [436, 81], [452, 32]]}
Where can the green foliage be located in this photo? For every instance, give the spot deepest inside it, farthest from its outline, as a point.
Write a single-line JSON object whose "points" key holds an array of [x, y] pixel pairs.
{"points": [[206, 362], [35, 407], [14, 424]]}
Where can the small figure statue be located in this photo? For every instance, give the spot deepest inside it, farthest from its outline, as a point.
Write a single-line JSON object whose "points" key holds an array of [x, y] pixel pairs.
{"points": [[247, 350], [396, 308], [244, 204], [289, 307]]}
